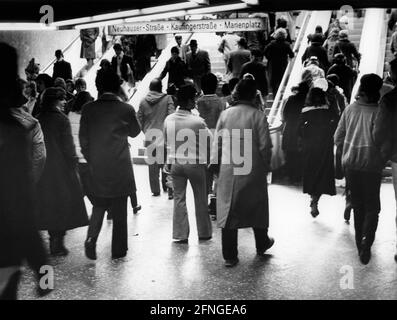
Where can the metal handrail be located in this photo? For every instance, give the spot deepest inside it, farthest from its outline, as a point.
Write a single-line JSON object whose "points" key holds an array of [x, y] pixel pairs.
{"points": [[64, 50], [277, 99], [134, 91]]}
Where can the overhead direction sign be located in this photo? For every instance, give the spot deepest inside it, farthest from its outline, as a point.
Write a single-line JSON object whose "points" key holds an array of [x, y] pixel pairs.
{"points": [[178, 26]]}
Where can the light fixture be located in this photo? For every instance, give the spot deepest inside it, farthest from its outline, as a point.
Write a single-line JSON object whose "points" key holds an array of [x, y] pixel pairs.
{"points": [[169, 7], [99, 24], [124, 14], [214, 9], [25, 26], [116, 15], [251, 2], [157, 16], [200, 2]]}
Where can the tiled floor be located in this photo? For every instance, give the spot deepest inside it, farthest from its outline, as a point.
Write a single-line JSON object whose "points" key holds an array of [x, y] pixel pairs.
{"points": [[311, 259]]}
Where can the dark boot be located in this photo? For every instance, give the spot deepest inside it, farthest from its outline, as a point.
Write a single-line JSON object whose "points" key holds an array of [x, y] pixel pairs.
{"points": [[348, 209], [314, 206], [212, 208], [57, 246], [365, 251], [90, 248], [136, 209], [170, 194]]}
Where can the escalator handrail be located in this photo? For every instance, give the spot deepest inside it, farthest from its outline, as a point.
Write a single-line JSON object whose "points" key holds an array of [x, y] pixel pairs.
{"points": [[316, 18], [63, 51], [278, 98], [134, 91]]}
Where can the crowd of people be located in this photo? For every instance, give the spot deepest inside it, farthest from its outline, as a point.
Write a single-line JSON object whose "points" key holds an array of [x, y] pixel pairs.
{"points": [[58, 144]]}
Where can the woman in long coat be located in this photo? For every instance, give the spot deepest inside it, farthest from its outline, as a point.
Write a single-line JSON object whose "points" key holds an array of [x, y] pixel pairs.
{"points": [[60, 197], [88, 38], [242, 196], [277, 53], [318, 124], [290, 141]]}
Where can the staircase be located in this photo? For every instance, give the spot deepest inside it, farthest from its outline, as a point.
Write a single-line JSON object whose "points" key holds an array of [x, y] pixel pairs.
{"points": [[210, 42]]}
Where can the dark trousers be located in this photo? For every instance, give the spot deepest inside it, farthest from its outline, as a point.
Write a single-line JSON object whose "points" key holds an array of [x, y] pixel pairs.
{"points": [[56, 233], [11, 290], [118, 208], [154, 171], [365, 188], [229, 241]]}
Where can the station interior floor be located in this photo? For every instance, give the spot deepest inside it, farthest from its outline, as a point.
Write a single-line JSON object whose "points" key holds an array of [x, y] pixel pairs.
{"points": [[309, 260]]}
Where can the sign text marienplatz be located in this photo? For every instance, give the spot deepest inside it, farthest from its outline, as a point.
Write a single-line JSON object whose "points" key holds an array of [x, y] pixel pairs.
{"points": [[219, 25]]}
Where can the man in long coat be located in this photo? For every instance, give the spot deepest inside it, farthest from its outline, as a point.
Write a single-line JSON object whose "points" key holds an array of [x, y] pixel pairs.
{"points": [[105, 126], [242, 196]]}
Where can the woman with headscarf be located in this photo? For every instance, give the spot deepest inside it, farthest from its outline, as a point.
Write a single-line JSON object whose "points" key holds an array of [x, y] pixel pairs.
{"points": [[277, 53], [316, 130], [60, 197]]}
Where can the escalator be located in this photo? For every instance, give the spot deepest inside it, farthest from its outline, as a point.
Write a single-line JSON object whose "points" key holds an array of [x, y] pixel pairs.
{"points": [[293, 72]]}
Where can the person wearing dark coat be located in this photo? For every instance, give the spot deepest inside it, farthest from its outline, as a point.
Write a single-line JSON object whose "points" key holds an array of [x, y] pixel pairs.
{"points": [[43, 81], [62, 69], [290, 142], [277, 53], [122, 64], [343, 45], [61, 205], [347, 76], [176, 69], [198, 64], [105, 126], [385, 127], [19, 239], [242, 196], [317, 128], [392, 20], [316, 49], [257, 68], [145, 48], [237, 58]]}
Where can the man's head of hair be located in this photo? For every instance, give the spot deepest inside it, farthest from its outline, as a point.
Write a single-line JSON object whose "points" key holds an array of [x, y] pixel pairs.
{"points": [[246, 90], [186, 95], [257, 54], [58, 54], [242, 43], [175, 50], [156, 85], [209, 83], [107, 81]]}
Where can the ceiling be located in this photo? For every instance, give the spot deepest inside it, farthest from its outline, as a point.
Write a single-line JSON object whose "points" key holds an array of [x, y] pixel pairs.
{"points": [[29, 10]]}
